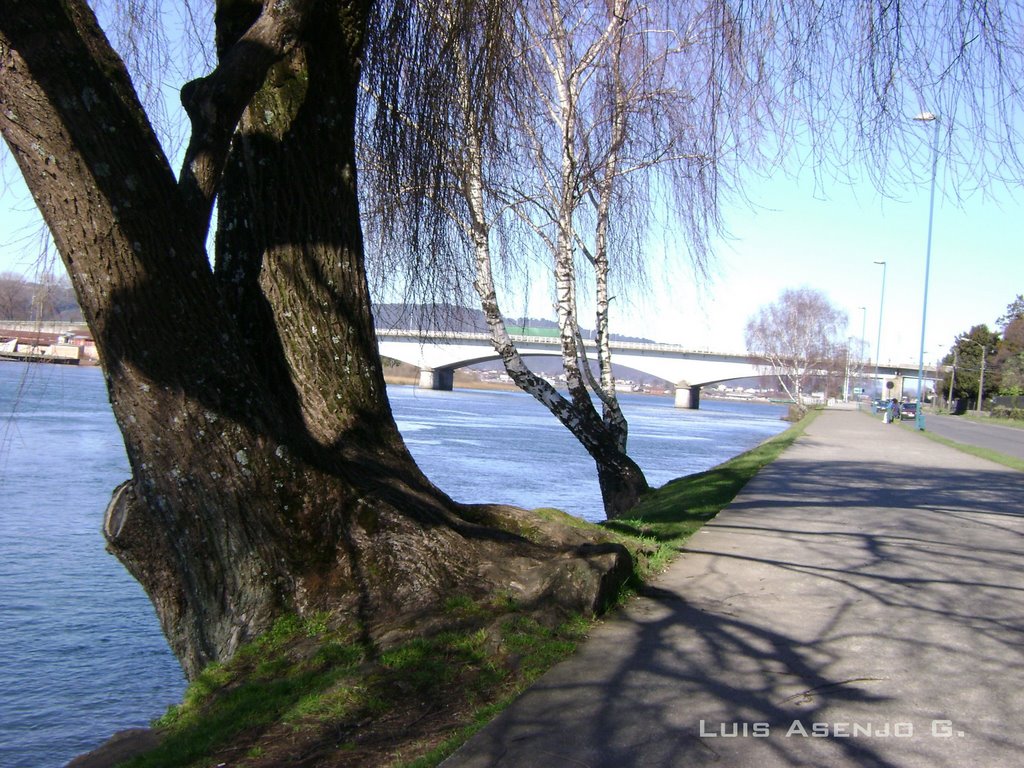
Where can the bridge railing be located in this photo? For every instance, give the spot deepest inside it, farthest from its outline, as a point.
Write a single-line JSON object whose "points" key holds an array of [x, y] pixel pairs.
{"points": [[551, 341], [57, 326]]}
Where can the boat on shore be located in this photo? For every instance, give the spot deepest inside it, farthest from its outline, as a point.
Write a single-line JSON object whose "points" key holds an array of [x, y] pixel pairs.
{"points": [[24, 357], [61, 349]]}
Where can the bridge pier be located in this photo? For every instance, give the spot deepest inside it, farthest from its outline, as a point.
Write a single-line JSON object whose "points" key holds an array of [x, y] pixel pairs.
{"points": [[687, 396], [437, 378]]}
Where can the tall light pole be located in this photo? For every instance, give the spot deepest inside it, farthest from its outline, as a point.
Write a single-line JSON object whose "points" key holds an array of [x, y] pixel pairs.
{"points": [[981, 379], [860, 358], [927, 117], [863, 325], [881, 305]]}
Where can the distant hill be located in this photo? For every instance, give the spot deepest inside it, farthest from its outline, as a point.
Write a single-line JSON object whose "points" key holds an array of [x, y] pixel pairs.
{"points": [[50, 299], [21, 299], [457, 319]]}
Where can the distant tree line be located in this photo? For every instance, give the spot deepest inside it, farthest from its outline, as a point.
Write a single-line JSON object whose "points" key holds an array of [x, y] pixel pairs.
{"points": [[47, 298], [989, 361]]}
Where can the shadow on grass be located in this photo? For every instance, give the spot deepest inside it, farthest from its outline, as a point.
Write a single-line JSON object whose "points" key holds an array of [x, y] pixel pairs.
{"points": [[671, 514], [244, 706]]}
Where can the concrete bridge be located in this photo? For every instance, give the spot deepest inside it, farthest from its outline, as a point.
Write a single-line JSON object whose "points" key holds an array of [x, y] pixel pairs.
{"points": [[438, 353]]}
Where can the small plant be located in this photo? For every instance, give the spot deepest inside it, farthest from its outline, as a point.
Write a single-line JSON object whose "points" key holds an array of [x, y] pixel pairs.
{"points": [[317, 624]]}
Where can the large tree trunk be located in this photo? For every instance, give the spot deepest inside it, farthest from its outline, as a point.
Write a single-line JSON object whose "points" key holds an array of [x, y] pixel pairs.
{"points": [[267, 472]]}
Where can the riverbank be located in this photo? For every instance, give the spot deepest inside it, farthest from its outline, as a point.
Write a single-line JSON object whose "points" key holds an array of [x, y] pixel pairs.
{"points": [[23, 344], [403, 374], [69, 648], [308, 690], [408, 375]]}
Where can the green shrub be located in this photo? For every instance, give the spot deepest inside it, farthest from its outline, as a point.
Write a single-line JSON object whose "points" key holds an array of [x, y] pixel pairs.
{"points": [[1006, 412]]}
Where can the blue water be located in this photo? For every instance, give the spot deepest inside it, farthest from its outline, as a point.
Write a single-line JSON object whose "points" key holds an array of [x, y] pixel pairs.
{"points": [[505, 447], [82, 653]]}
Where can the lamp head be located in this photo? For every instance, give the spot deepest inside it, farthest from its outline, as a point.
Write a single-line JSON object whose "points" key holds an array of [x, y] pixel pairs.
{"points": [[926, 117]]}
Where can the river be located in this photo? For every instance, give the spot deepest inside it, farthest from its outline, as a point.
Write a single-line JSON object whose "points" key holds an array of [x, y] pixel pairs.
{"points": [[83, 655]]}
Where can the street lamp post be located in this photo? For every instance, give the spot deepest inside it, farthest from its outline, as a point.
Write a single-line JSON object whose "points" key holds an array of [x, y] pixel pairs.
{"points": [[927, 117], [981, 379], [863, 325], [860, 357], [881, 305], [846, 376]]}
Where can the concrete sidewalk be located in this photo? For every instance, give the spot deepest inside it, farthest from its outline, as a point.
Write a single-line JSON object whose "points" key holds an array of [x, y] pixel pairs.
{"points": [[868, 585]]}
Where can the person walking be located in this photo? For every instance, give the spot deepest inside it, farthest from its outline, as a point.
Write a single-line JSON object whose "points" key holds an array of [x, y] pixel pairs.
{"points": [[894, 411]]}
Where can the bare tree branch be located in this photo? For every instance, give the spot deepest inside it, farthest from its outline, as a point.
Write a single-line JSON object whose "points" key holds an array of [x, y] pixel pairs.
{"points": [[797, 335]]}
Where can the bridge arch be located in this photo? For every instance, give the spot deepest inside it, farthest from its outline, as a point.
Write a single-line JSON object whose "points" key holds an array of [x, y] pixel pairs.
{"points": [[438, 355]]}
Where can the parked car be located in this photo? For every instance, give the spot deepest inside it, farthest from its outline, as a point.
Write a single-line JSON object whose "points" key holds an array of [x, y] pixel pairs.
{"points": [[908, 411]]}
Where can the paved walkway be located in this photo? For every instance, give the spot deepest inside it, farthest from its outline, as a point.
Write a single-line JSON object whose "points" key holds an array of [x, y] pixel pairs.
{"points": [[868, 584]]}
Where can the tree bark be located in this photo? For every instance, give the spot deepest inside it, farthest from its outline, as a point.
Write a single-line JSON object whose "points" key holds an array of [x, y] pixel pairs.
{"points": [[267, 472], [620, 479]]}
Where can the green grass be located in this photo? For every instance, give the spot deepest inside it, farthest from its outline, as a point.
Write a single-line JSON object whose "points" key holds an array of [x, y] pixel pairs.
{"points": [[282, 680], [265, 683], [533, 649], [983, 453], [970, 416], [668, 516]]}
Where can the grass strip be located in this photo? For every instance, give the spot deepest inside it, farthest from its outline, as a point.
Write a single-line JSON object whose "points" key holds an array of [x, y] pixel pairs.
{"points": [[668, 516], [300, 689], [982, 453], [1015, 423]]}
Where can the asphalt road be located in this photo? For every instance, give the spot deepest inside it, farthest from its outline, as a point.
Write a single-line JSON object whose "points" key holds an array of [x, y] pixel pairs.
{"points": [[994, 436]]}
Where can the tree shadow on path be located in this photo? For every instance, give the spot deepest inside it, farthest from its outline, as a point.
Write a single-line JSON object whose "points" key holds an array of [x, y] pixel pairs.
{"points": [[890, 601]]}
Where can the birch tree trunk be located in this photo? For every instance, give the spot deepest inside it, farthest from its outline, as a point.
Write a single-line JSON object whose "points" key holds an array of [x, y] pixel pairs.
{"points": [[621, 480]]}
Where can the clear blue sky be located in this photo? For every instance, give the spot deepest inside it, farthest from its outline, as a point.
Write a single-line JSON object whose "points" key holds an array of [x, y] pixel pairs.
{"points": [[827, 240]]}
